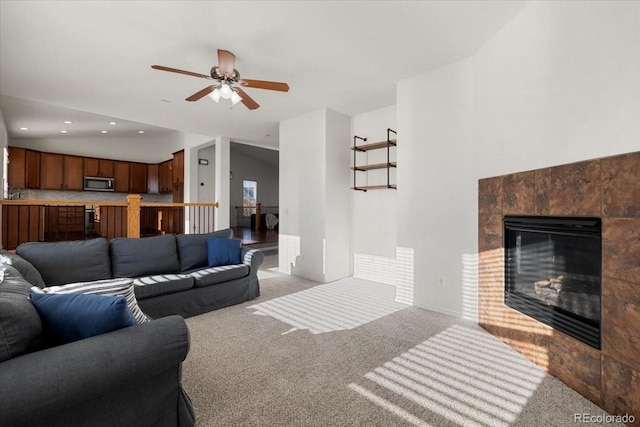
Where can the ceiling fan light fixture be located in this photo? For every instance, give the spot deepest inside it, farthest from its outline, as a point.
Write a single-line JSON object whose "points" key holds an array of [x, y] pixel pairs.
{"points": [[225, 91], [235, 98], [215, 95]]}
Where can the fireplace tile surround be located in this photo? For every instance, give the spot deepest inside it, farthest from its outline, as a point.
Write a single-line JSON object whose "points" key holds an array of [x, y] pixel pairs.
{"points": [[608, 188]]}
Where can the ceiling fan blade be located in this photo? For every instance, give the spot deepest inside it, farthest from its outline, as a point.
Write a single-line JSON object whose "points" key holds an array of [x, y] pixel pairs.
{"points": [[200, 94], [226, 62], [264, 84], [247, 100], [175, 70]]}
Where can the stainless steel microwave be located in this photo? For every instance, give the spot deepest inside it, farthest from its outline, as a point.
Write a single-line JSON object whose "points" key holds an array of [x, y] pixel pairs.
{"points": [[96, 183]]}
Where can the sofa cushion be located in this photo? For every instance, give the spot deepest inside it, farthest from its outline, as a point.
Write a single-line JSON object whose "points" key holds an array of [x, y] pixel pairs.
{"points": [[192, 248], [144, 257], [72, 317], [151, 286], [110, 287], [20, 325], [212, 275], [26, 269], [223, 252], [69, 262]]}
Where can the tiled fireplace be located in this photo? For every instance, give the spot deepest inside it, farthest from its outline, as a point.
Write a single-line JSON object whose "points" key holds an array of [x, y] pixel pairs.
{"points": [[607, 188]]}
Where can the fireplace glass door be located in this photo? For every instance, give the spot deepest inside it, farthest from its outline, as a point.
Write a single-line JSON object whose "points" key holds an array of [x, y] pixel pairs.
{"points": [[553, 272]]}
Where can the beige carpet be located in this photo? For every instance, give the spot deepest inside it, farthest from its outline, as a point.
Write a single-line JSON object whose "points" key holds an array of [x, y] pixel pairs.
{"points": [[345, 354]]}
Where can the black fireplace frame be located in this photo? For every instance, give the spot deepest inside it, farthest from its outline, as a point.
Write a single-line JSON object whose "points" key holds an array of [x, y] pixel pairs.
{"points": [[585, 330]]}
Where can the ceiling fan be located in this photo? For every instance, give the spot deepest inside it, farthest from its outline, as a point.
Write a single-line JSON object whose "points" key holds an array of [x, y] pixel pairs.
{"points": [[227, 76]]}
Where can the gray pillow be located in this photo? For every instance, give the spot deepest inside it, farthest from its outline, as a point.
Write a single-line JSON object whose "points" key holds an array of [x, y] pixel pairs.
{"points": [[144, 257], [20, 325], [26, 269], [192, 248], [68, 262]]}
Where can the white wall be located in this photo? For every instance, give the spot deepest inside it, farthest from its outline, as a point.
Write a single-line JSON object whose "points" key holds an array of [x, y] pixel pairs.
{"points": [[560, 83], [337, 200], [373, 213], [247, 167], [314, 196], [206, 175], [138, 149], [302, 192], [436, 215]]}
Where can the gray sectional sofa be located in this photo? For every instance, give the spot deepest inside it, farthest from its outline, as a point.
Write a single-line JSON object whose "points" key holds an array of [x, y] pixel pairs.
{"points": [[126, 377], [170, 272]]}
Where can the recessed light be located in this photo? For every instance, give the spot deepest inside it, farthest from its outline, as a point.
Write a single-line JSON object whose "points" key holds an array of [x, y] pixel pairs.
{"points": [[112, 123], [67, 122], [103, 131], [63, 131], [165, 100], [24, 128], [140, 131]]}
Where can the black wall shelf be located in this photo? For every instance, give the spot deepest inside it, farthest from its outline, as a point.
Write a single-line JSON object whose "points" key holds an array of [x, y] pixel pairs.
{"points": [[388, 144]]}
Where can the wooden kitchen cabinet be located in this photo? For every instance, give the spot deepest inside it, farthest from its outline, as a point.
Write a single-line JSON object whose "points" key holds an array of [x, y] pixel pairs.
{"points": [[99, 167], [178, 177], [17, 167], [23, 224], [121, 177], [51, 171], [152, 179], [138, 178], [165, 177], [60, 172], [73, 177], [32, 169], [24, 168], [178, 167], [64, 223]]}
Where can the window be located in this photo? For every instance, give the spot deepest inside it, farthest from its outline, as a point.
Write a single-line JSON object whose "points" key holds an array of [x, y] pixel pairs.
{"points": [[249, 196]]}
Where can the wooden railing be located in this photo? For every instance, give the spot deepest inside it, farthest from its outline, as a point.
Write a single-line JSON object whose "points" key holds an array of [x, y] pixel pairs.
{"points": [[54, 220]]}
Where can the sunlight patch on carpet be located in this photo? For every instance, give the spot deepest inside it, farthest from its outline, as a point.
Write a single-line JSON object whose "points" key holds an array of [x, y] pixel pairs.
{"points": [[441, 378], [341, 305]]}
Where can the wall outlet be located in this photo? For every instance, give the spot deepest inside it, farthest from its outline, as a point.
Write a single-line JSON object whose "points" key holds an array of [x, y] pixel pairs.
{"points": [[442, 281]]}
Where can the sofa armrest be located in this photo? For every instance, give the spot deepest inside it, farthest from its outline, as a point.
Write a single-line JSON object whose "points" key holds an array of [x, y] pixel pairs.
{"points": [[253, 258], [85, 374]]}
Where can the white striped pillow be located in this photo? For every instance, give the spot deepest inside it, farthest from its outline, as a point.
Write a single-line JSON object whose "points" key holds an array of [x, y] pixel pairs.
{"points": [[109, 287]]}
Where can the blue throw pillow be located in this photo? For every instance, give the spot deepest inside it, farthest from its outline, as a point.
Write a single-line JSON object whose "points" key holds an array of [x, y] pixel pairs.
{"points": [[222, 251], [72, 317]]}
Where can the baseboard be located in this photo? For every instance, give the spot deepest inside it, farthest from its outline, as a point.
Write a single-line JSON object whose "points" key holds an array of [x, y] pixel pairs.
{"points": [[439, 310]]}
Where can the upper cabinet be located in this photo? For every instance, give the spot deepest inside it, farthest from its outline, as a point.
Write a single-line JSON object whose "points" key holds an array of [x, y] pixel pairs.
{"points": [[138, 178], [165, 176], [121, 177], [32, 169], [178, 177], [99, 167], [73, 173], [24, 168], [51, 171], [16, 170], [60, 172], [152, 179], [178, 167]]}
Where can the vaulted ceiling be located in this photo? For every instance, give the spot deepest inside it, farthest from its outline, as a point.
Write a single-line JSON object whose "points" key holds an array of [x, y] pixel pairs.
{"points": [[95, 57]]}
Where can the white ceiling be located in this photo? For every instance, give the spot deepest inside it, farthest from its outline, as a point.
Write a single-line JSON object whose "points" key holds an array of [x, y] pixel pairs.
{"points": [[95, 57]]}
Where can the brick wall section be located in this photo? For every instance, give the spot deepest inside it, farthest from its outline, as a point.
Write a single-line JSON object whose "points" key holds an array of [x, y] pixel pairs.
{"points": [[608, 188]]}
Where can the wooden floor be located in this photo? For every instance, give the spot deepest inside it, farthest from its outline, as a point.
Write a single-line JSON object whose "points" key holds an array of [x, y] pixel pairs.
{"points": [[253, 237]]}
